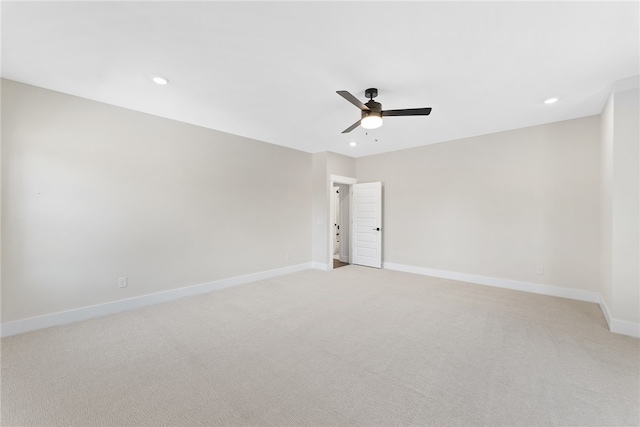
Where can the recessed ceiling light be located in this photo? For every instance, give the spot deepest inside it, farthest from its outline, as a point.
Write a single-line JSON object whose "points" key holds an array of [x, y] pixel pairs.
{"points": [[353, 143], [159, 80], [551, 101]]}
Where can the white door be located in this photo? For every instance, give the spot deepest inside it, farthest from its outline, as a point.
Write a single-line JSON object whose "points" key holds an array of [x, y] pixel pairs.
{"points": [[367, 223]]}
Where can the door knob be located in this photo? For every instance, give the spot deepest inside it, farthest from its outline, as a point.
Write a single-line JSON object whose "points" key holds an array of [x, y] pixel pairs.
{"points": [[376, 229]]}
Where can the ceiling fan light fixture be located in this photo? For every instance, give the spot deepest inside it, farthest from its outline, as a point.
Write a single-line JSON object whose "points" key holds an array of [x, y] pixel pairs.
{"points": [[371, 119]]}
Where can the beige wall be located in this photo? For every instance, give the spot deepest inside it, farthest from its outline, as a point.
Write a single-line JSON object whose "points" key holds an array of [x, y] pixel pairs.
{"points": [[320, 208], [620, 209], [497, 205], [625, 191], [337, 164], [92, 192]]}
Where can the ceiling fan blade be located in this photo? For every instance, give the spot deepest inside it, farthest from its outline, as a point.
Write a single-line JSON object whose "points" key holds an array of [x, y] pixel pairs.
{"points": [[352, 127], [352, 99], [408, 112]]}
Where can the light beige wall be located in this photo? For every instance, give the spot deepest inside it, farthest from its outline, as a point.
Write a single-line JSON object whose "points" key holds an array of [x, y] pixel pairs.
{"points": [[92, 192], [620, 208], [497, 205], [320, 208], [626, 207], [337, 164]]}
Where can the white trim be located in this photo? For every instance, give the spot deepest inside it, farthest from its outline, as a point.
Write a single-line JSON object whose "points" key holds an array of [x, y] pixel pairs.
{"points": [[99, 310], [625, 328], [605, 310], [331, 224], [517, 285], [320, 266], [21, 326], [342, 179], [617, 326]]}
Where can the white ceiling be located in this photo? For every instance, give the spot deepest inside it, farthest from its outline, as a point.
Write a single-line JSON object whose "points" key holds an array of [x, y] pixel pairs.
{"points": [[269, 70]]}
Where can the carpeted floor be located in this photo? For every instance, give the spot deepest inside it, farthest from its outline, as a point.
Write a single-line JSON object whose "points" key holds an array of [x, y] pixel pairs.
{"points": [[354, 346]]}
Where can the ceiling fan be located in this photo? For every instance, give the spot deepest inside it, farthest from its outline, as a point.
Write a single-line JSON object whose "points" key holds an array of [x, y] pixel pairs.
{"points": [[372, 113]]}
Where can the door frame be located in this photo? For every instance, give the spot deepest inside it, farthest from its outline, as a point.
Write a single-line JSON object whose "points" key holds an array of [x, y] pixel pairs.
{"points": [[337, 179]]}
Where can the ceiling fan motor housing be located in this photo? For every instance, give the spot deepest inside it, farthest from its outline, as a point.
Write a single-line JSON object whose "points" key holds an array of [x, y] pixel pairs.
{"points": [[374, 106]]}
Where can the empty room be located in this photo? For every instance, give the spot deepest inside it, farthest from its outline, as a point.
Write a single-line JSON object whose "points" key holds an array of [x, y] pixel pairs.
{"points": [[320, 213]]}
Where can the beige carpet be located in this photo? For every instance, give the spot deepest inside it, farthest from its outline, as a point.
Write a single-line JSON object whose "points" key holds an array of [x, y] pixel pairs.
{"points": [[354, 346]]}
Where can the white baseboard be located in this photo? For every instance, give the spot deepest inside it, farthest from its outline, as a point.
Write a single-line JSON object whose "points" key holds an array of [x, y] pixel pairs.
{"points": [[90, 312], [605, 311], [622, 327], [320, 266], [616, 326], [517, 285]]}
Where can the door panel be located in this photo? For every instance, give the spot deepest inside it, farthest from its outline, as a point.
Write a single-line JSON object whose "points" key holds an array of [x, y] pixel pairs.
{"points": [[367, 223]]}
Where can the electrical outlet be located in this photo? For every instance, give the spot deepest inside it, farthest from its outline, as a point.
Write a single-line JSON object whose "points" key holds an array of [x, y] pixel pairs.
{"points": [[122, 282], [288, 256], [539, 270]]}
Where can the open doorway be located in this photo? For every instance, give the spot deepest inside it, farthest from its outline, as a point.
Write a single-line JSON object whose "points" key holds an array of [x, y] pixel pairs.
{"points": [[339, 221]]}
